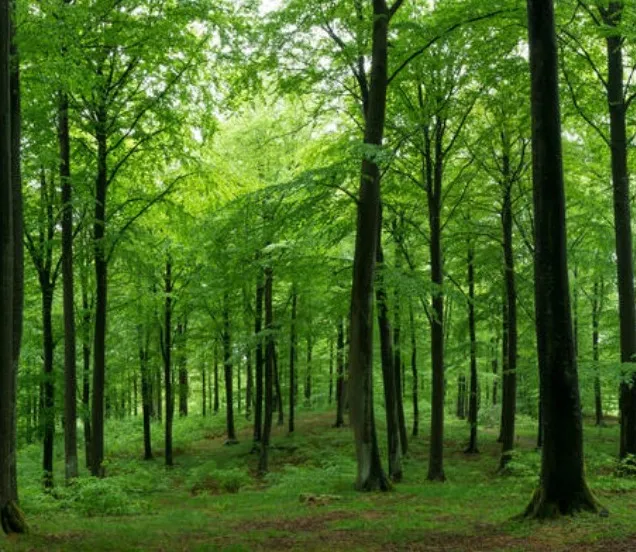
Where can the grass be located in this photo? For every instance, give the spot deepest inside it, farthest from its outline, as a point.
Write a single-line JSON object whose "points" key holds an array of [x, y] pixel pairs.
{"points": [[212, 500]]}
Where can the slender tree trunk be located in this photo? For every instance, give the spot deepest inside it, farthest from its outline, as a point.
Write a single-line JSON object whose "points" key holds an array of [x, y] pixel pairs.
{"points": [[330, 370], [308, 371], [596, 314], [166, 348], [472, 408], [436, 453], [227, 364], [562, 488], [612, 17], [216, 379], [86, 373], [263, 463], [279, 395], [183, 371], [48, 416], [495, 368], [204, 383], [293, 354], [416, 409], [70, 367], [398, 368], [146, 397], [340, 390], [258, 327], [389, 370], [509, 401], [101, 297], [461, 397]]}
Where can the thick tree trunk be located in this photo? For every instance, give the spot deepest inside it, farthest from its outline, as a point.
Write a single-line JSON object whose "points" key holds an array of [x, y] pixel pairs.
{"points": [[509, 383], [562, 488], [340, 390], [388, 368], [263, 462], [360, 386], [166, 348], [11, 518], [258, 328], [472, 402], [18, 249], [227, 365], [416, 407], [293, 355], [101, 297]]}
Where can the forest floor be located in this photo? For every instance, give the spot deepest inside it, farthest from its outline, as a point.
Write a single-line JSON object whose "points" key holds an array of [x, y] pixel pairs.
{"points": [[212, 500]]}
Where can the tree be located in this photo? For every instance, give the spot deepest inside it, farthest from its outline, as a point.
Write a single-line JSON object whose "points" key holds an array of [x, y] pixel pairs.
{"points": [[562, 489], [370, 473], [11, 517]]}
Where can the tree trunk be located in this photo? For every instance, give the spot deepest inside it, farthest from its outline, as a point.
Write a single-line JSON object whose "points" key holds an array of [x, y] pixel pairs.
{"points": [[70, 367], [308, 372], [293, 354], [183, 372], [509, 383], [227, 365], [86, 373], [398, 368], [166, 348], [436, 453], [258, 327], [18, 249], [472, 406], [11, 518], [461, 397], [263, 463], [416, 408], [622, 225], [216, 379], [204, 383], [495, 368], [279, 395], [101, 296], [562, 488], [389, 370], [360, 385], [330, 370], [340, 391], [146, 397], [596, 314], [48, 413]]}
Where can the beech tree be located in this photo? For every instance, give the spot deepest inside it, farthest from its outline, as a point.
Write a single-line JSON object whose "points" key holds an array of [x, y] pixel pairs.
{"points": [[562, 489]]}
